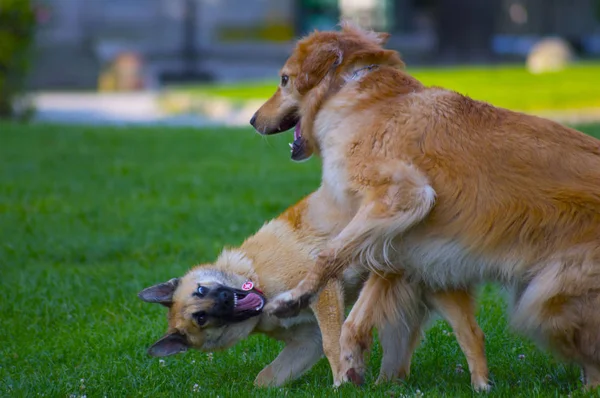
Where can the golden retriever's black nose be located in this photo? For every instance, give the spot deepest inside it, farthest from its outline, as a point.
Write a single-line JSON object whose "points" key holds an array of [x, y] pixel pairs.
{"points": [[253, 120]]}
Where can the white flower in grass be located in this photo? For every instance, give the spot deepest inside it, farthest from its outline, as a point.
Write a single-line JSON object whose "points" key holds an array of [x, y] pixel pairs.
{"points": [[459, 368], [521, 356], [209, 356], [196, 388], [418, 393], [162, 362]]}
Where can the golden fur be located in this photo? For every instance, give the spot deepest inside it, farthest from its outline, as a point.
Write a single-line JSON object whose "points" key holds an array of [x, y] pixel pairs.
{"points": [[445, 189], [276, 259]]}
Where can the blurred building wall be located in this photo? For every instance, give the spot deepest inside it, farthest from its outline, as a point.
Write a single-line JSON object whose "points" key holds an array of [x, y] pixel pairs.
{"points": [[244, 38]]}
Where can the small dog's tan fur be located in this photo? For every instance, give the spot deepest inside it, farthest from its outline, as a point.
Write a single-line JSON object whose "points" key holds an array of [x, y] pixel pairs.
{"points": [[276, 259], [446, 189]]}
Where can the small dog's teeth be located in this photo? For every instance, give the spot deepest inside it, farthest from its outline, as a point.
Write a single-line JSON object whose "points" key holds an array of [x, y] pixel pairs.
{"points": [[291, 145]]}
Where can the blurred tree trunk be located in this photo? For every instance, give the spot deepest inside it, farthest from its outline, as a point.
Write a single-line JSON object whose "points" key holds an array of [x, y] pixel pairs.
{"points": [[466, 28], [189, 48]]}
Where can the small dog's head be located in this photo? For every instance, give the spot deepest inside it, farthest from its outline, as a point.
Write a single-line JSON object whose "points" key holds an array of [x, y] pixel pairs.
{"points": [[208, 311], [319, 66]]}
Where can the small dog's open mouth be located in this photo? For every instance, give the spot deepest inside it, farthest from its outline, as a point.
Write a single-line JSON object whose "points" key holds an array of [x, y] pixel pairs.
{"points": [[298, 147], [247, 303]]}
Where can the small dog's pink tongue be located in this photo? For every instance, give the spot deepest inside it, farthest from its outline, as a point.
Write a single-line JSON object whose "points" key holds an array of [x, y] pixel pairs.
{"points": [[252, 301], [297, 131]]}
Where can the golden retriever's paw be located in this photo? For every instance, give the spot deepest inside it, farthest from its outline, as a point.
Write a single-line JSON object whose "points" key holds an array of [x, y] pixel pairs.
{"points": [[287, 305], [481, 386], [480, 382], [340, 378]]}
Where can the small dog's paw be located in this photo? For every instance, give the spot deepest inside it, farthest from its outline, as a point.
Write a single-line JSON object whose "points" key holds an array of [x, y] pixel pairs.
{"points": [[286, 305], [265, 378]]}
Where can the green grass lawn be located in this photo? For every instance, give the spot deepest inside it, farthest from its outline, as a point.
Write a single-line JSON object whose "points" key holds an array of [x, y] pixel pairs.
{"points": [[90, 216], [507, 86]]}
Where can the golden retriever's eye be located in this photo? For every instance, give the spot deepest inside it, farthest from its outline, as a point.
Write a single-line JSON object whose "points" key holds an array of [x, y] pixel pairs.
{"points": [[200, 318], [284, 80]]}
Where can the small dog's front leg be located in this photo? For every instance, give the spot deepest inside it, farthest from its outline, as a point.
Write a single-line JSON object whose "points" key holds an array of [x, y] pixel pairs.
{"points": [[302, 350]]}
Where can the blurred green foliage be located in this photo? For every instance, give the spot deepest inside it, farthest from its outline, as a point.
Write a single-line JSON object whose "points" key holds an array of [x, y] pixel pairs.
{"points": [[17, 28]]}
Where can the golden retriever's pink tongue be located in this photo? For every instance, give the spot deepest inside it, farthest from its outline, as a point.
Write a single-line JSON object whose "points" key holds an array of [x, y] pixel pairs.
{"points": [[252, 301], [297, 131]]}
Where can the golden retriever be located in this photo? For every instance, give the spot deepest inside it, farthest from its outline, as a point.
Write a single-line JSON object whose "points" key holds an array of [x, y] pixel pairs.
{"points": [[446, 189]]}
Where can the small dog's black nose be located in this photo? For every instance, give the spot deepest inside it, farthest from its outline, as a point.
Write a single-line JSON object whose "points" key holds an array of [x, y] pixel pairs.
{"points": [[253, 120], [225, 298]]}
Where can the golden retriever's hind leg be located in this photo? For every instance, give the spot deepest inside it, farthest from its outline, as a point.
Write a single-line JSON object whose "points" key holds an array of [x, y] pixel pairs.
{"points": [[458, 308], [329, 311], [388, 209], [559, 308], [592, 376]]}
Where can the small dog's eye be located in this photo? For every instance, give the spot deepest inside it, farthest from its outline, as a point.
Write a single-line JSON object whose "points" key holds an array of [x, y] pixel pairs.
{"points": [[200, 318], [202, 291], [284, 80]]}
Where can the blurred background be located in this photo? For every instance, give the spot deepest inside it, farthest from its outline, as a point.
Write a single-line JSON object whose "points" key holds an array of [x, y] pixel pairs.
{"points": [[102, 195], [147, 47]]}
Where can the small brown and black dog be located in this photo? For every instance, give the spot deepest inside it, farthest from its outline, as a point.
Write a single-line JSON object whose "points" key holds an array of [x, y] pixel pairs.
{"points": [[216, 305], [445, 189]]}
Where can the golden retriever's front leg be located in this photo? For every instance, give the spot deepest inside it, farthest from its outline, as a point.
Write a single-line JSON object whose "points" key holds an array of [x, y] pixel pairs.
{"points": [[458, 308], [329, 311], [387, 210]]}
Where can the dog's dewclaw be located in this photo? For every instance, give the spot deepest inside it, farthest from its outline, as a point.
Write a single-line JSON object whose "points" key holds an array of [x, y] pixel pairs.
{"points": [[355, 377]]}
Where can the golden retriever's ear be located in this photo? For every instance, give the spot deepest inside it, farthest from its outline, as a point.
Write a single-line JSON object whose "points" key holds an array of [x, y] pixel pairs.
{"points": [[316, 65], [382, 37]]}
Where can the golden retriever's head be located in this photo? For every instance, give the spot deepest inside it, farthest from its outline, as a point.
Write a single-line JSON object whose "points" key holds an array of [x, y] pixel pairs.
{"points": [[317, 68], [208, 310]]}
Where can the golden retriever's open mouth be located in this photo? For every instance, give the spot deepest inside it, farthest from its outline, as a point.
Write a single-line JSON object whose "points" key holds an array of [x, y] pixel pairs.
{"points": [[298, 147]]}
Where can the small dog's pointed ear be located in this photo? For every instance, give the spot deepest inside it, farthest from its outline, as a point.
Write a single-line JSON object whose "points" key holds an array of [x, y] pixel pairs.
{"points": [[170, 344], [161, 293]]}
